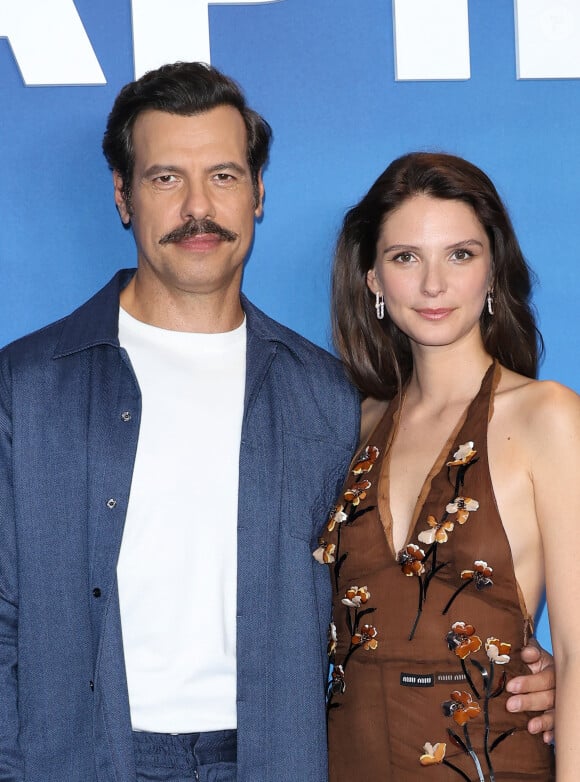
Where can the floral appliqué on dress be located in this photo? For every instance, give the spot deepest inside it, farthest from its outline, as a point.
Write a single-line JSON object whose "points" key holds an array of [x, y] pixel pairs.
{"points": [[464, 707], [423, 563], [363, 636]]}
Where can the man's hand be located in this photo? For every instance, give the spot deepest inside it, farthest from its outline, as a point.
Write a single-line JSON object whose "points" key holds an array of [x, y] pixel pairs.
{"points": [[536, 691]]}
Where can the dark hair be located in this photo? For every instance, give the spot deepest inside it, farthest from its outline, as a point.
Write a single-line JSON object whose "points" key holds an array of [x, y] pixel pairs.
{"points": [[377, 355], [183, 88]]}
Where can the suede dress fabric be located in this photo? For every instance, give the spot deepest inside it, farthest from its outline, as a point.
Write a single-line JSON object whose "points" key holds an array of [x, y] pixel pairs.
{"points": [[420, 637]]}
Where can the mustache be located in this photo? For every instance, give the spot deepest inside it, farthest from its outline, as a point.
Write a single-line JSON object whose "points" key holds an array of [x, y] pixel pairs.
{"points": [[195, 228]]}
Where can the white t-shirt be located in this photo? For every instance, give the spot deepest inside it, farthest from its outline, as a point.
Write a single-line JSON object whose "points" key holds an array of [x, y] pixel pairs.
{"points": [[178, 561]]}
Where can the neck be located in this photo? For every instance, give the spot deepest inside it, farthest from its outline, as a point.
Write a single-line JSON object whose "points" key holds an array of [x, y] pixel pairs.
{"points": [[446, 375], [213, 312]]}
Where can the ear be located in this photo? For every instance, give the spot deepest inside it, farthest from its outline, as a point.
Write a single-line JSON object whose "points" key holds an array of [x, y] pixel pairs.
{"points": [[124, 213], [372, 281], [259, 209]]}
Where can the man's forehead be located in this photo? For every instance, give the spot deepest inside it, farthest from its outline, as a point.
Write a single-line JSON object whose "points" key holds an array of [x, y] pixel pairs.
{"points": [[221, 126]]}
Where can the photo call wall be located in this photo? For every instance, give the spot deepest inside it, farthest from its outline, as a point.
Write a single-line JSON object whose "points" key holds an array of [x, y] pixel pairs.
{"points": [[346, 85]]}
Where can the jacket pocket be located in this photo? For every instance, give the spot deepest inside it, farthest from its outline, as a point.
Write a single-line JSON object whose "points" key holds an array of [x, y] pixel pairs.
{"points": [[314, 471]]}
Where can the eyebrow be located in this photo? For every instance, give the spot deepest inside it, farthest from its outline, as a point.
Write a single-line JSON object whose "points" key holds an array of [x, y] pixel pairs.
{"points": [[464, 243], [416, 248], [393, 247], [230, 164], [159, 169]]}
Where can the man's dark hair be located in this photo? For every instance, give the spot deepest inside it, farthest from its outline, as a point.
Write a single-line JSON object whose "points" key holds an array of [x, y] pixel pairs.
{"points": [[184, 88], [377, 355]]}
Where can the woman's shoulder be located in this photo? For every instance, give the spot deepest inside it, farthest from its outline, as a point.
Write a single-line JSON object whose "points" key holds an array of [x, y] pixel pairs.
{"points": [[372, 410], [540, 406]]}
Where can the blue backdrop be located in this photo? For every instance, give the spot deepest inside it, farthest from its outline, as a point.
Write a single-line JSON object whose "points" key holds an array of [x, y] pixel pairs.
{"points": [[323, 73]]}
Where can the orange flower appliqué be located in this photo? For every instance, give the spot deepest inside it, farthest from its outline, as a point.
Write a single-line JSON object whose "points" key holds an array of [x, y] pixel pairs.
{"points": [[462, 506], [462, 639], [337, 516], [497, 651], [463, 455], [337, 681], [480, 575], [355, 596], [438, 531], [357, 492], [411, 560], [461, 707], [367, 637], [433, 753], [365, 461], [325, 552], [332, 639]]}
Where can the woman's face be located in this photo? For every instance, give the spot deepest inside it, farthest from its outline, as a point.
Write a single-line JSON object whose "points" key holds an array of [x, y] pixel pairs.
{"points": [[434, 267]]}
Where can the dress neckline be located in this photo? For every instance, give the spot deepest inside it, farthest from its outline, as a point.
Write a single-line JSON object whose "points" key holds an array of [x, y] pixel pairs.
{"points": [[384, 486]]}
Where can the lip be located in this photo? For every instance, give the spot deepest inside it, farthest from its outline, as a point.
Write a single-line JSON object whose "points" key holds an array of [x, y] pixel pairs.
{"points": [[200, 242], [438, 313]]}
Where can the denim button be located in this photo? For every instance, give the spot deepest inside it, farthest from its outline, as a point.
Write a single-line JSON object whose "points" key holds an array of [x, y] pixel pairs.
{"points": [[111, 503], [126, 416], [96, 592]]}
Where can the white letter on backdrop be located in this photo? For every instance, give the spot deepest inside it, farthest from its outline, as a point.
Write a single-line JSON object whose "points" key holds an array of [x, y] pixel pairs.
{"points": [[173, 30], [547, 39], [431, 40], [49, 42]]}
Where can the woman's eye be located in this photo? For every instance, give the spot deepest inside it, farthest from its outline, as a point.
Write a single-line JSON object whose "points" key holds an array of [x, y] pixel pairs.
{"points": [[404, 258], [461, 255]]}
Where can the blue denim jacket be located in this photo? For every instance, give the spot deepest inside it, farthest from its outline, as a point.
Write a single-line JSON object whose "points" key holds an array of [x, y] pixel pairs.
{"points": [[69, 421]]}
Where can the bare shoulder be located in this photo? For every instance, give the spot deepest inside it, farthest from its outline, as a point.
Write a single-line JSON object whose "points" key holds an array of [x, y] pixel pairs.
{"points": [[372, 410], [542, 408]]}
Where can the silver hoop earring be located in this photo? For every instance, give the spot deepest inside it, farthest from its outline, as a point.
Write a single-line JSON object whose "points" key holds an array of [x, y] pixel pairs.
{"points": [[490, 302], [380, 305]]}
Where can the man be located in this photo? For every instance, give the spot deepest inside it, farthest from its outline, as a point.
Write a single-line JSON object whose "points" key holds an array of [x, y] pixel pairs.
{"points": [[167, 457]]}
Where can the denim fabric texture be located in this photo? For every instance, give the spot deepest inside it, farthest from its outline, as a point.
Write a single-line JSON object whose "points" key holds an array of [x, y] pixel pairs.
{"points": [[69, 421], [191, 757]]}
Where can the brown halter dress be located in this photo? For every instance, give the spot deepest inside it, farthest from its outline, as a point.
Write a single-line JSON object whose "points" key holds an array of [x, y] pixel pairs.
{"points": [[422, 641]]}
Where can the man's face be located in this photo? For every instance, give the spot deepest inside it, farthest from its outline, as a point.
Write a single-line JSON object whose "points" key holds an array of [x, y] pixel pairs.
{"points": [[192, 201]]}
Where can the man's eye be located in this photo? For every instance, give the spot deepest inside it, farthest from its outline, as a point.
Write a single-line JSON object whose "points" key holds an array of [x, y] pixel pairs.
{"points": [[223, 177], [165, 179]]}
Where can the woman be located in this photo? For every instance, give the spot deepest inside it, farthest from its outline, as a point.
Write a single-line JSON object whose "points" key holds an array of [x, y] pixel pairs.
{"points": [[437, 578]]}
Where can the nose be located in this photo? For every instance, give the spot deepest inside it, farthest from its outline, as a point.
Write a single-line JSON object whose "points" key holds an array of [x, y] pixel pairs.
{"points": [[197, 201], [434, 280]]}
